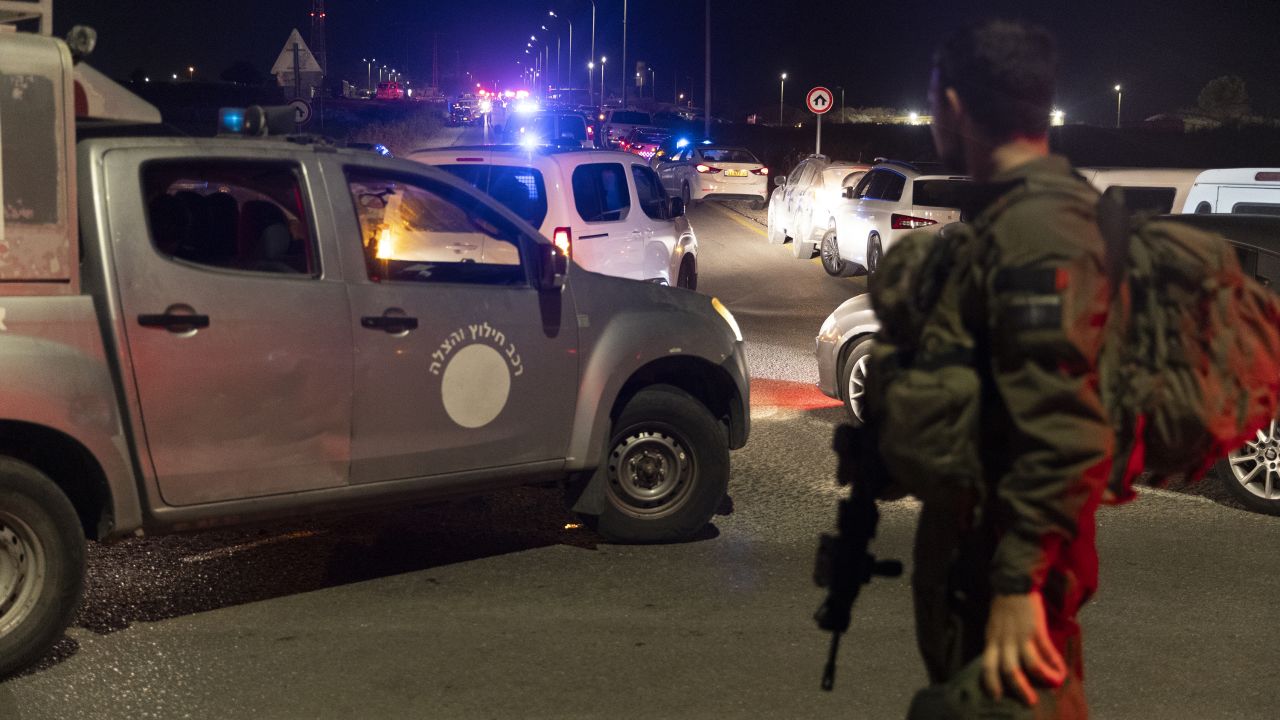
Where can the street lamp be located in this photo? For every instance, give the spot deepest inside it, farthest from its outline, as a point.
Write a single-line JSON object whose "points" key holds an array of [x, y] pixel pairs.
{"points": [[782, 94], [1119, 96], [570, 23], [603, 60], [368, 79], [191, 73]]}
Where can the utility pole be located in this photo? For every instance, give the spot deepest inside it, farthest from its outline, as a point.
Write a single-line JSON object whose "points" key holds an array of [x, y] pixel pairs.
{"points": [[1119, 96], [707, 90], [625, 78], [593, 49]]}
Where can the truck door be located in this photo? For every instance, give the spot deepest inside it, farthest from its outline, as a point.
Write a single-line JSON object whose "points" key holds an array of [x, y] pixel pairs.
{"points": [[235, 326], [461, 364]]}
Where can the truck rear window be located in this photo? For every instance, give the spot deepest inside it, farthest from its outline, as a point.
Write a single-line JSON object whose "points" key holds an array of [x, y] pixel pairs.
{"points": [[234, 215], [520, 189]]}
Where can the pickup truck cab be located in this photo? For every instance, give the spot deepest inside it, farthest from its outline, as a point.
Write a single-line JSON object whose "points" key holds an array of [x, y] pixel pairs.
{"points": [[208, 332]]}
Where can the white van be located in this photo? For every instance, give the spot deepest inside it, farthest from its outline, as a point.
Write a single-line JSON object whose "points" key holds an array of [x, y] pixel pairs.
{"points": [[1155, 190], [1240, 191], [607, 208]]}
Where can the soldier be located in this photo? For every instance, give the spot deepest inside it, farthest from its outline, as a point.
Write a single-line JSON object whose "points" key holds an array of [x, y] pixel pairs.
{"points": [[1002, 568]]}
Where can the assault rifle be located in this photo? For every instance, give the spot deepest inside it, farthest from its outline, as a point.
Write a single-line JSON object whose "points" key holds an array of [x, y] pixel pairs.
{"points": [[844, 562]]}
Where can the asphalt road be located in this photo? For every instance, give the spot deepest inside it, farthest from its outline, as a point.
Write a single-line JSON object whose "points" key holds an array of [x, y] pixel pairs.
{"points": [[499, 606]]}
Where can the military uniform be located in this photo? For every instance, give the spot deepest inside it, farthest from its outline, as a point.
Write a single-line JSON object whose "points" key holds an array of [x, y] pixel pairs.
{"points": [[1032, 293]]}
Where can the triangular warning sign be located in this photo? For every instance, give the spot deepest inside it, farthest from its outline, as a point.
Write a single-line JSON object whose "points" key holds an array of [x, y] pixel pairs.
{"points": [[306, 61]]}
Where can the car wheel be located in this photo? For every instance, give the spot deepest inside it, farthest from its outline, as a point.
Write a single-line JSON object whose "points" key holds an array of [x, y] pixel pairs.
{"points": [[1252, 473], [759, 204], [666, 469], [853, 377], [41, 564], [875, 251], [830, 253]]}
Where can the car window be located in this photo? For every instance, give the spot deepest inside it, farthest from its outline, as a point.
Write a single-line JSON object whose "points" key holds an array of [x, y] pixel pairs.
{"points": [[942, 193], [893, 187], [600, 192], [415, 230], [234, 215], [519, 189], [1256, 208], [872, 185], [653, 201], [727, 155], [1156, 200], [573, 127]]}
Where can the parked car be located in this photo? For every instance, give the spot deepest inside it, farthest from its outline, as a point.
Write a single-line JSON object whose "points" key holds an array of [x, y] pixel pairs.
{"points": [[610, 210], [893, 199], [203, 332], [618, 124], [1250, 473], [542, 128], [389, 91], [715, 172], [802, 205], [645, 141], [1151, 191], [1242, 190]]}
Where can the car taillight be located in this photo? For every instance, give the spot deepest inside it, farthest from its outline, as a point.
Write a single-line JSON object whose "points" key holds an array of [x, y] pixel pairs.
{"points": [[591, 131], [563, 239], [707, 169], [906, 222], [761, 171]]}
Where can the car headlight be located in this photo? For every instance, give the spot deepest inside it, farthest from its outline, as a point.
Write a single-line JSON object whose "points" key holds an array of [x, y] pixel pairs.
{"points": [[728, 318]]}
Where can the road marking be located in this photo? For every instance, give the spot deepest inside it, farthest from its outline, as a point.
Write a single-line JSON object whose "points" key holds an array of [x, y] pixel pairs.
{"points": [[752, 226]]}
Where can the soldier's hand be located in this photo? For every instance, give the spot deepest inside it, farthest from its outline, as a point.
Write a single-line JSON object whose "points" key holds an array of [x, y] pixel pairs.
{"points": [[1018, 644]]}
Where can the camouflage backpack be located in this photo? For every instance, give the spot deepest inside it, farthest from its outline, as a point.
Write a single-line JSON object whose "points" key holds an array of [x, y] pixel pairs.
{"points": [[1189, 370]]}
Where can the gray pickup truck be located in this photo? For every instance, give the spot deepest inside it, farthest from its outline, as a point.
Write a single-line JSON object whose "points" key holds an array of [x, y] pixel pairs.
{"points": [[207, 332]]}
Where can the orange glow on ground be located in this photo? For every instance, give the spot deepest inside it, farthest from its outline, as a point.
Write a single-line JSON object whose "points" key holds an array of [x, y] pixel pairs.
{"points": [[788, 394]]}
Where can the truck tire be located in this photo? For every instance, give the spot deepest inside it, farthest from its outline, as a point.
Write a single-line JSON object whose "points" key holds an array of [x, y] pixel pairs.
{"points": [[41, 564], [666, 469]]}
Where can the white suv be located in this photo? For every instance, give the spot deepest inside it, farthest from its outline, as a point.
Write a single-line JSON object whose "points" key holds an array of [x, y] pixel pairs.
{"points": [[608, 208], [618, 124], [890, 201]]}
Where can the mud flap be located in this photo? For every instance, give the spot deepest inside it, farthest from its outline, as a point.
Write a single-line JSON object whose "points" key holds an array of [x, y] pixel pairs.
{"points": [[585, 494]]}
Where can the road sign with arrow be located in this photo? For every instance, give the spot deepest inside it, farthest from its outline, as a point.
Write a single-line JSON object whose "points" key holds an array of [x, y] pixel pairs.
{"points": [[819, 101]]}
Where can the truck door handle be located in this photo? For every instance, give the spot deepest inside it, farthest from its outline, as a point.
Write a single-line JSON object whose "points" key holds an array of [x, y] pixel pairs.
{"points": [[390, 323], [174, 323]]}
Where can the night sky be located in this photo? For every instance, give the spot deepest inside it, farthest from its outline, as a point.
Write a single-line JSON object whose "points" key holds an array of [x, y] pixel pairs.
{"points": [[1161, 52]]}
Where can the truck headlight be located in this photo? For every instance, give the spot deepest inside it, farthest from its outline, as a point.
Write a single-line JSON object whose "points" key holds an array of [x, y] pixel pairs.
{"points": [[728, 318]]}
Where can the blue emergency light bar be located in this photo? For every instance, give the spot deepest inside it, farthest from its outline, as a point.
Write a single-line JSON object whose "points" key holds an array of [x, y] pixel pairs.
{"points": [[256, 121]]}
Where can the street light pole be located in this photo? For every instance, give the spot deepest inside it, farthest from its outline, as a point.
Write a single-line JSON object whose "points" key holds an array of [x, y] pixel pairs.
{"points": [[706, 112], [624, 54], [1119, 95], [842, 117], [570, 24], [782, 94], [603, 60], [593, 46], [368, 79]]}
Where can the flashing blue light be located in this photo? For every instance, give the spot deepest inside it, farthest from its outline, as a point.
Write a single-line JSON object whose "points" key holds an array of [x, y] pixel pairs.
{"points": [[682, 143], [529, 141], [706, 142], [382, 150], [231, 120]]}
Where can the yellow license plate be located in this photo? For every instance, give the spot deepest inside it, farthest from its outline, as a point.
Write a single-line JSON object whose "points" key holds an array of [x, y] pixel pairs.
{"points": [[735, 173]]}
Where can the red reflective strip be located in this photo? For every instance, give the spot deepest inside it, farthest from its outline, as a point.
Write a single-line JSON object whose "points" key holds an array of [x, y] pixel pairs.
{"points": [[1062, 279]]}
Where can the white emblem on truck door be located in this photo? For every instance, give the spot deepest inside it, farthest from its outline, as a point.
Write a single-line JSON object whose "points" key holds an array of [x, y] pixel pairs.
{"points": [[478, 364]]}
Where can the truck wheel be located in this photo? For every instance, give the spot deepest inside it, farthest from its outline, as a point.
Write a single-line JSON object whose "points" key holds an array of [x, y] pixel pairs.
{"points": [[41, 564], [666, 471]]}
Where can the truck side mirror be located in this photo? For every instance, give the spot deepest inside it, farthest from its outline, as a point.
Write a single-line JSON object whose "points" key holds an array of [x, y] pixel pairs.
{"points": [[780, 180], [675, 207], [848, 192], [552, 266]]}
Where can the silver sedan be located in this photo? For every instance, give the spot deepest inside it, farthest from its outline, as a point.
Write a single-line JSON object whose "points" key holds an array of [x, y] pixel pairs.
{"points": [[843, 349]]}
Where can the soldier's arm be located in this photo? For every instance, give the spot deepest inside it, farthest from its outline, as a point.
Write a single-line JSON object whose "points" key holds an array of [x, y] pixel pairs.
{"points": [[1047, 303]]}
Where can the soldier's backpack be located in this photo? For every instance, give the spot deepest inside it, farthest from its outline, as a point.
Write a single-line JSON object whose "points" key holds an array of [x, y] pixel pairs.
{"points": [[1189, 371]]}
